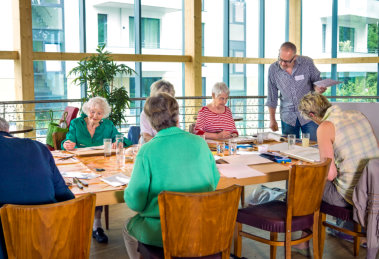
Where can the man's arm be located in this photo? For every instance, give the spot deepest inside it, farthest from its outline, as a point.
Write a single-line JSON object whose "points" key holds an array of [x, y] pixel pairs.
{"points": [[273, 123], [325, 139], [272, 100], [315, 76]]}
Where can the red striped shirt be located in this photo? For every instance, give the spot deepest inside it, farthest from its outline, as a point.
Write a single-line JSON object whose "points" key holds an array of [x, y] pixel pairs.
{"points": [[208, 121]]}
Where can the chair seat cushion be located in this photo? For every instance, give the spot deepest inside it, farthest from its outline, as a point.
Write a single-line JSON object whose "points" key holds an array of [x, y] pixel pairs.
{"points": [[344, 213], [154, 252], [271, 217]]}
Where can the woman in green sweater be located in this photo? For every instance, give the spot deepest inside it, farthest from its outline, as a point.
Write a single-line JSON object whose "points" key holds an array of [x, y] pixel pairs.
{"points": [[87, 131], [174, 160]]}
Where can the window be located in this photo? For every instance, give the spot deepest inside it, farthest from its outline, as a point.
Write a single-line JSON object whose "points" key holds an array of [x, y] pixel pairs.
{"points": [[150, 33], [323, 37], [346, 39], [102, 28], [237, 11], [372, 38]]}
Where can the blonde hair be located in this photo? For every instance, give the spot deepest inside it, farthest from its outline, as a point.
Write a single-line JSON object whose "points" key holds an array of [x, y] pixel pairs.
{"points": [[314, 103], [219, 88], [99, 102], [162, 86]]}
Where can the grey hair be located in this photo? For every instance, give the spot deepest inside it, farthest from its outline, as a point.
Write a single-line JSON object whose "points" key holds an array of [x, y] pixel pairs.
{"points": [[99, 102], [219, 88], [4, 125], [288, 46], [162, 86]]}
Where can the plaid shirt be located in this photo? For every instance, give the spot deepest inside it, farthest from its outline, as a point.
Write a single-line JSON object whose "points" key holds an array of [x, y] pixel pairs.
{"points": [[292, 88], [354, 144]]}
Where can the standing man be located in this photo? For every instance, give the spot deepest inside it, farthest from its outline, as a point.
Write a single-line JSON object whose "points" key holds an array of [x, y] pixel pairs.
{"points": [[293, 76]]}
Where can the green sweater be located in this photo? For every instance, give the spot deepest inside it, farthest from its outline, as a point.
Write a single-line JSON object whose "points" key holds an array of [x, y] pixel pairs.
{"points": [[79, 134], [174, 160]]}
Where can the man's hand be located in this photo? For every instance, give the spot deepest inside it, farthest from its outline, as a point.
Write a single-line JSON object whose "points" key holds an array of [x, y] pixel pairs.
{"points": [[320, 89], [273, 125]]}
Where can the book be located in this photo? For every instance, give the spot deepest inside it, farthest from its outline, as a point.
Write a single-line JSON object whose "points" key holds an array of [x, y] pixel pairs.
{"points": [[308, 154], [326, 82]]}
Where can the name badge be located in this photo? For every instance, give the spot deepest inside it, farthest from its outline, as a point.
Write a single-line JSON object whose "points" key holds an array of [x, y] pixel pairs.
{"points": [[300, 77]]}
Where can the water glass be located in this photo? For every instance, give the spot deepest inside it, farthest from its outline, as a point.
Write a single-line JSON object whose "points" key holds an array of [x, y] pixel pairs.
{"points": [[107, 147], [120, 158], [291, 141], [260, 138], [119, 143], [232, 147], [220, 148], [305, 139]]}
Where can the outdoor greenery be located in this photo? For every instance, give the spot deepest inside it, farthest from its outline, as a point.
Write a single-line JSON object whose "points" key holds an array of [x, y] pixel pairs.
{"points": [[98, 72], [372, 38]]}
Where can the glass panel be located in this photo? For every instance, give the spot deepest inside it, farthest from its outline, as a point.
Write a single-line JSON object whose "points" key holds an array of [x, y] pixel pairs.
{"points": [[7, 87], [358, 28], [252, 29], [213, 33], [275, 22], [212, 73], [6, 25], [317, 28], [161, 27], [114, 29]]}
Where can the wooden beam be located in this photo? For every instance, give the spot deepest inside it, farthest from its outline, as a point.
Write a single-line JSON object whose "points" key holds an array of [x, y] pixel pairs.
{"points": [[238, 60], [12, 55], [295, 23], [355, 60], [193, 36], [116, 57], [23, 66]]}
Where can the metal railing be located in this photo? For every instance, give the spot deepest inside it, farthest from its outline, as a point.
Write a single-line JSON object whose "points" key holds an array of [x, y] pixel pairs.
{"points": [[250, 109]]}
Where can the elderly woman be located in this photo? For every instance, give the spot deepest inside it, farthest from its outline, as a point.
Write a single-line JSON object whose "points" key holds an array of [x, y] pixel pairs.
{"points": [[90, 130], [147, 131], [174, 160], [215, 120]]}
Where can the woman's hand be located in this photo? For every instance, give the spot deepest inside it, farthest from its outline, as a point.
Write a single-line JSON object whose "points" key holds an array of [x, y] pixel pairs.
{"points": [[69, 145], [224, 134]]}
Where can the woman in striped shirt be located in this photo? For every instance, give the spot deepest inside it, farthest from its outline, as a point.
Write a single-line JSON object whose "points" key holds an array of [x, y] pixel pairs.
{"points": [[215, 120]]}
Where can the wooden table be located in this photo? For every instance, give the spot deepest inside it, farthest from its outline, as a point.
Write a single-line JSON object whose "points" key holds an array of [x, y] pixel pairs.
{"points": [[20, 129], [107, 195]]}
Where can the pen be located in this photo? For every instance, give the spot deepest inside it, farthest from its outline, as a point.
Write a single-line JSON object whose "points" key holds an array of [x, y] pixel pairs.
{"points": [[80, 186], [64, 158]]}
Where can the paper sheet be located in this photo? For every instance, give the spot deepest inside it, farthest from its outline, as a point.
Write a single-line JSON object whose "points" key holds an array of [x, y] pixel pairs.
{"points": [[252, 159], [327, 82], [116, 180], [237, 171], [308, 154], [80, 175]]}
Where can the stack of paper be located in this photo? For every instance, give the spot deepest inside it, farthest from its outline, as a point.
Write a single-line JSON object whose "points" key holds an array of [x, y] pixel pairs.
{"points": [[116, 180], [237, 171], [308, 154]]}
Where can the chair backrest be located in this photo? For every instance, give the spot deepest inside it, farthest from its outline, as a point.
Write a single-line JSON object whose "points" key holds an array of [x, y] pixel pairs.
{"points": [[306, 186], [58, 230], [72, 112], [58, 137], [134, 134], [198, 224]]}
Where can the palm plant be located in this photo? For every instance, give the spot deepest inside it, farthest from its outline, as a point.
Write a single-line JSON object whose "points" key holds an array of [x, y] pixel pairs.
{"points": [[98, 73]]}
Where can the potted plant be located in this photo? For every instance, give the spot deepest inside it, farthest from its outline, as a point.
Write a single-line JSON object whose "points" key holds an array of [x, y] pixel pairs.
{"points": [[98, 73]]}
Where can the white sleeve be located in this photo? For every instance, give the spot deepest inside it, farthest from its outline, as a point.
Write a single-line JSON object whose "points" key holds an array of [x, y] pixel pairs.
{"points": [[145, 125]]}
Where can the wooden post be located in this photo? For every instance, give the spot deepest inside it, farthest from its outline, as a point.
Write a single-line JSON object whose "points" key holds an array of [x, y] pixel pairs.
{"points": [[23, 66], [193, 36], [295, 23]]}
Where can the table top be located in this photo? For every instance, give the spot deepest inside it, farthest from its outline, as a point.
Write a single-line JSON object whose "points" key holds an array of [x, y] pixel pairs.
{"points": [[106, 194], [20, 129]]}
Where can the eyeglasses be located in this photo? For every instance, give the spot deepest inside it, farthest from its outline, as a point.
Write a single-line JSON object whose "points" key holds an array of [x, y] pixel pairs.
{"points": [[286, 61]]}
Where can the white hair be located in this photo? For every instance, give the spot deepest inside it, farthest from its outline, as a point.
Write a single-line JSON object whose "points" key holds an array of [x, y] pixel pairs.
{"points": [[99, 102], [220, 88], [4, 125]]}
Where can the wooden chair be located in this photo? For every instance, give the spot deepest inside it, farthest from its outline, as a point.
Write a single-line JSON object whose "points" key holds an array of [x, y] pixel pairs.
{"points": [[196, 224], [344, 213], [58, 230], [300, 211], [58, 137]]}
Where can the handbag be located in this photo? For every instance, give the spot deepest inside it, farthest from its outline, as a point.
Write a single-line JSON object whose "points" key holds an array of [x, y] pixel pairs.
{"points": [[52, 128]]}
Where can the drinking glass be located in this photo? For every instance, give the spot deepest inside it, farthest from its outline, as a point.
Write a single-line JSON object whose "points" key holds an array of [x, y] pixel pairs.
{"points": [[260, 138], [119, 143], [305, 139], [120, 158], [107, 147], [220, 148], [291, 141], [232, 147]]}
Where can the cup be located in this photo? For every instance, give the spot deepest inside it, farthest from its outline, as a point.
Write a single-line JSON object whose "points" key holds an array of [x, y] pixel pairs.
{"points": [[260, 137], [120, 158], [232, 147], [119, 143], [107, 147], [220, 148], [263, 148], [305, 139], [291, 141]]}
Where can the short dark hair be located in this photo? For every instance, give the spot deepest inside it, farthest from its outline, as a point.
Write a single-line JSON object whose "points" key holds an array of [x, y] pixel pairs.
{"points": [[288, 45], [162, 111]]}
